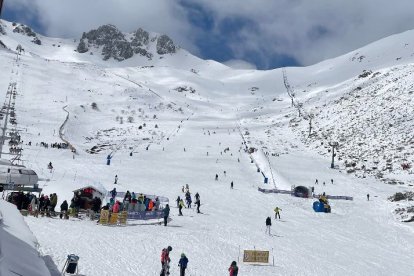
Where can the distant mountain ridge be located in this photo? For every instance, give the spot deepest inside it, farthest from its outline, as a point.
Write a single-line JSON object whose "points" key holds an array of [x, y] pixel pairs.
{"points": [[119, 46]]}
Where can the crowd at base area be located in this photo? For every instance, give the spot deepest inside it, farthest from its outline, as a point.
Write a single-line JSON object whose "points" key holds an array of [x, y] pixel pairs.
{"points": [[132, 203], [183, 262], [45, 205]]}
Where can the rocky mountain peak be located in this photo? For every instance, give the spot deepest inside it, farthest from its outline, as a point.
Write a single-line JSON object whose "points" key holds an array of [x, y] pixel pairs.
{"points": [[116, 45]]}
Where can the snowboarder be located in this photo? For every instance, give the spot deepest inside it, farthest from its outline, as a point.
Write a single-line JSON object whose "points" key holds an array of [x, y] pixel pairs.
{"points": [[166, 212], [233, 269], [180, 207], [368, 197], [216, 177], [183, 264], [277, 212], [268, 224], [231, 185], [116, 179], [165, 261]]}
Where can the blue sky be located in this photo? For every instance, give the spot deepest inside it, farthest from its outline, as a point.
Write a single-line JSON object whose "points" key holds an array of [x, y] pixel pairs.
{"points": [[266, 34]]}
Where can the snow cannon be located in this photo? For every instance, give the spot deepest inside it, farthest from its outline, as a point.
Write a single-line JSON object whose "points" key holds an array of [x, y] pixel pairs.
{"points": [[321, 207]]}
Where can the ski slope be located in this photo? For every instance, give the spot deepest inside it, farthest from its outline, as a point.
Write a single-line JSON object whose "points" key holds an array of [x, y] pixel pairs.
{"points": [[359, 237]]}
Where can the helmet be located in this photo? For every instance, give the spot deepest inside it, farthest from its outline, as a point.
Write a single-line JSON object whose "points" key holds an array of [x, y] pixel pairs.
{"points": [[169, 248]]}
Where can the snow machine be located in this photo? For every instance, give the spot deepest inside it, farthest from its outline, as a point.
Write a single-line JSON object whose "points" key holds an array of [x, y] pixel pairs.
{"points": [[319, 206]]}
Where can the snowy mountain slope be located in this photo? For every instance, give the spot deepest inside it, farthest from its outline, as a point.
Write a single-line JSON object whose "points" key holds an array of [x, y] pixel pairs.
{"points": [[199, 107]]}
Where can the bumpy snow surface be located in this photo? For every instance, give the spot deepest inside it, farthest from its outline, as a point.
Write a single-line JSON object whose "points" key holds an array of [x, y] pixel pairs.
{"points": [[193, 110]]}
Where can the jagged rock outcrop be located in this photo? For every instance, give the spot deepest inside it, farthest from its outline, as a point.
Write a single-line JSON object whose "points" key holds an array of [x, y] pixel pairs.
{"points": [[37, 41], [116, 45], [140, 38], [165, 45], [82, 48], [2, 30], [26, 30]]}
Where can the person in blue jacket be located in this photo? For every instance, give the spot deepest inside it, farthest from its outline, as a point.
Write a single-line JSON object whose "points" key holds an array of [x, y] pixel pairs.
{"points": [[183, 264]]}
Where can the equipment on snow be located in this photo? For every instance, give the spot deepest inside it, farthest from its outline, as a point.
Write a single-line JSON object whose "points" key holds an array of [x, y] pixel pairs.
{"points": [[71, 265]]}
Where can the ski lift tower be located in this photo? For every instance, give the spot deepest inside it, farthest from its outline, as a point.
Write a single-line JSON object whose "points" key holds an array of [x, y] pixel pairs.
{"points": [[1, 6], [334, 146]]}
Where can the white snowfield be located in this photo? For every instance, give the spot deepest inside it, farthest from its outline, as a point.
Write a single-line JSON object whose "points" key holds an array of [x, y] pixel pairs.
{"points": [[186, 135]]}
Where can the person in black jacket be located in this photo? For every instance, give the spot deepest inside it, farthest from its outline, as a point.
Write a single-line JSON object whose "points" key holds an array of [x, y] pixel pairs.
{"points": [[166, 213], [268, 224], [64, 209]]}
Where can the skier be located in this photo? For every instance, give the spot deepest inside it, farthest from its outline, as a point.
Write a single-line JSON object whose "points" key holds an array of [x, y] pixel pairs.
{"points": [[268, 224], [332, 181], [316, 182], [180, 207], [231, 185], [197, 196], [188, 200], [368, 197], [233, 269], [165, 261], [277, 212], [216, 177], [198, 205], [166, 212], [64, 210], [224, 173], [324, 183], [183, 264], [178, 201], [113, 193], [116, 179]]}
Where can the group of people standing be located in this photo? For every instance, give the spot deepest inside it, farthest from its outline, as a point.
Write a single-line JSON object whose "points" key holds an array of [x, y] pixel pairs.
{"points": [[183, 263]]}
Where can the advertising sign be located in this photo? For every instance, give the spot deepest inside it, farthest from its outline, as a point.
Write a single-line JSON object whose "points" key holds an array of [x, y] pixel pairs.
{"points": [[255, 256]]}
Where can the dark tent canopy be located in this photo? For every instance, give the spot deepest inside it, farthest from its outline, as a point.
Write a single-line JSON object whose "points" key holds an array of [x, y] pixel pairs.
{"points": [[301, 191]]}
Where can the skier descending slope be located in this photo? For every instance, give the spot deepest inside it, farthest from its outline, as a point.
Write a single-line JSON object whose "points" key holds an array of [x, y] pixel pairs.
{"points": [[165, 261]]}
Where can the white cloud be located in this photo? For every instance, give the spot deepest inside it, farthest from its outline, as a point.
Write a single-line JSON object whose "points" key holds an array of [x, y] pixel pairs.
{"points": [[240, 64], [308, 31]]}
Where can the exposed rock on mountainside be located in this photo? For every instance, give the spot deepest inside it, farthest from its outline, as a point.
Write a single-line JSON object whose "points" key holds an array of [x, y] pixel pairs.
{"points": [[119, 46], [25, 30], [165, 45], [2, 31]]}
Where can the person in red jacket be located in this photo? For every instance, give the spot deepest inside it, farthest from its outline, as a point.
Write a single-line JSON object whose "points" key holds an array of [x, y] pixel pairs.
{"points": [[165, 261], [233, 269]]}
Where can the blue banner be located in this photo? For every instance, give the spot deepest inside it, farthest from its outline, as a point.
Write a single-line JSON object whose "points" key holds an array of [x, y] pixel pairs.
{"points": [[146, 215]]}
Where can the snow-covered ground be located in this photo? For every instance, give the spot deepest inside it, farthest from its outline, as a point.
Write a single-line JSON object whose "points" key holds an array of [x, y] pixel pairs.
{"points": [[186, 135]]}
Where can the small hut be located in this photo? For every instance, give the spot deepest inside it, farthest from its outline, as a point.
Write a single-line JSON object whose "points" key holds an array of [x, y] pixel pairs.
{"points": [[87, 194]]}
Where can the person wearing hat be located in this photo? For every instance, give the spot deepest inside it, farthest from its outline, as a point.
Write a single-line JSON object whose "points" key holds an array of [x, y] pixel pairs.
{"points": [[183, 264], [233, 269], [165, 261]]}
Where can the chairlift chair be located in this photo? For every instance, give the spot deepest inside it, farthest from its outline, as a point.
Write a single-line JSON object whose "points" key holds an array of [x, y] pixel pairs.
{"points": [[71, 265]]}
